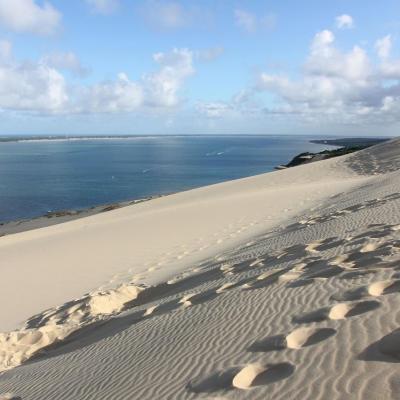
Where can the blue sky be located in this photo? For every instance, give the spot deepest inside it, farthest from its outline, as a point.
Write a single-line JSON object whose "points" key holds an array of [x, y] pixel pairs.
{"points": [[192, 67]]}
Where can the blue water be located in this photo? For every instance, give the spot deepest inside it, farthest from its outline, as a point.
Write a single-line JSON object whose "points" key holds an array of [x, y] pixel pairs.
{"points": [[41, 176]]}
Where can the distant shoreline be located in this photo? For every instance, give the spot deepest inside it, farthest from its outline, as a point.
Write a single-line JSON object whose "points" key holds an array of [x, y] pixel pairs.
{"points": [[59, 138], [61, 216], [351, 141]]}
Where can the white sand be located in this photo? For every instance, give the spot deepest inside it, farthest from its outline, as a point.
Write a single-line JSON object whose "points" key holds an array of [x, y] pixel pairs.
{"points": [[278, 286]]}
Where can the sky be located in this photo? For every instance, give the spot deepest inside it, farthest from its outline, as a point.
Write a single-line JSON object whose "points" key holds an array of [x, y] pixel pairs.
{"points": [[96, 67]]}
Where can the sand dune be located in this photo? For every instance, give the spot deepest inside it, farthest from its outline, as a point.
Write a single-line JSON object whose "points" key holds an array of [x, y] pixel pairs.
{"points": [[279, 286]]}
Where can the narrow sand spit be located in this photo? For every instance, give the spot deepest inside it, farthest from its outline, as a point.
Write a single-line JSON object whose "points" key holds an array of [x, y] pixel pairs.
{"points": [[280, 286]]}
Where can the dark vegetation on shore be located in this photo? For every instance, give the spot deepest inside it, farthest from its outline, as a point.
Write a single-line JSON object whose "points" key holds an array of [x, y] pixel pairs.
{"points": [[349, 145]]}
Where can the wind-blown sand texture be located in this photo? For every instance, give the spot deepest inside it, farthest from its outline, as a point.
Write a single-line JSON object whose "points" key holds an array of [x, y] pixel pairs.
{"points": [[284, 285]]}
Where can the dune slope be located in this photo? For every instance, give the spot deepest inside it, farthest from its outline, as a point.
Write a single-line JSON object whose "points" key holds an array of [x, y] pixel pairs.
{"points": [[280, 286]]}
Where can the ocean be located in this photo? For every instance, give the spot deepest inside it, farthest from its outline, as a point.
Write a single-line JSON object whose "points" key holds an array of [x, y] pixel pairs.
{"points": [[50, 175]]}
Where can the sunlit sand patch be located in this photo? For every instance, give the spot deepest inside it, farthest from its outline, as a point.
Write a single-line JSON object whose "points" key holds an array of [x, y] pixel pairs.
{"points": [[225, 287], [303, 337], [258, 374], [384, 287], [346, 310], [258, 261], [297, 339], [311, 247], [241, 378], [9, 396], [290, 276], [369, 247]]}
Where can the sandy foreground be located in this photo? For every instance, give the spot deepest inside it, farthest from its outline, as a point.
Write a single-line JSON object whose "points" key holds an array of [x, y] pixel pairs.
{"points": [[284, 285]]}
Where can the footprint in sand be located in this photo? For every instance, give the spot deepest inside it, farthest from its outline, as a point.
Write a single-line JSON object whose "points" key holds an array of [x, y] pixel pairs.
{"points": [[297, 339], [337, 312], [198, 298], [300, 283], [266, 279], [396, 275], [242, 378], [374, 289], [230, 285], [325, 244], [357, 274], [384, 287], [387, 349], [371, 256], [162, 308], [316, 268], [311, 247], [373, 234], [241, 266], [292, 253], [260, 374], [324, 271]]}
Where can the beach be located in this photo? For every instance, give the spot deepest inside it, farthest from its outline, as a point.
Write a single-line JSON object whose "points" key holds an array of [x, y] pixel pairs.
{"points": [[59, 217], [283, 285]]}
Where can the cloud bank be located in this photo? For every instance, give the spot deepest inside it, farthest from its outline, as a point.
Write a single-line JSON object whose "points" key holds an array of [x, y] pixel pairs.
{"points": [[40, 87], [28, 17], [342, 86], [332, 87]]}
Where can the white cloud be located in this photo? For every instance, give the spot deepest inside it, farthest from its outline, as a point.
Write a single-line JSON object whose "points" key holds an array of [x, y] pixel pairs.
{"points": [[389, 68], [158, 90], [326, 60], [250, 22], [322, 40], [121, 95], [344, 87], [39, 87], [344, 21], [162, 86], [68, 61], [103, 6], [31, 87], [384, 46], [27, 16]]}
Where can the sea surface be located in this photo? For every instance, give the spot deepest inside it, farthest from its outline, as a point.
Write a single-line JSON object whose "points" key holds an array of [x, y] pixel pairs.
{"points": [[48, 175]]}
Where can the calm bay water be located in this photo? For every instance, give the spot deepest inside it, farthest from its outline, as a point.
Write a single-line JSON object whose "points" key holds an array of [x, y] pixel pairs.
{"points": [[41, 176]]}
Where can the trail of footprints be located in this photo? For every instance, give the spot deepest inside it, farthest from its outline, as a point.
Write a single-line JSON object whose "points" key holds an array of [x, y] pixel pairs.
{"points": [[371, 253], [347, 304], [317, 219]]}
